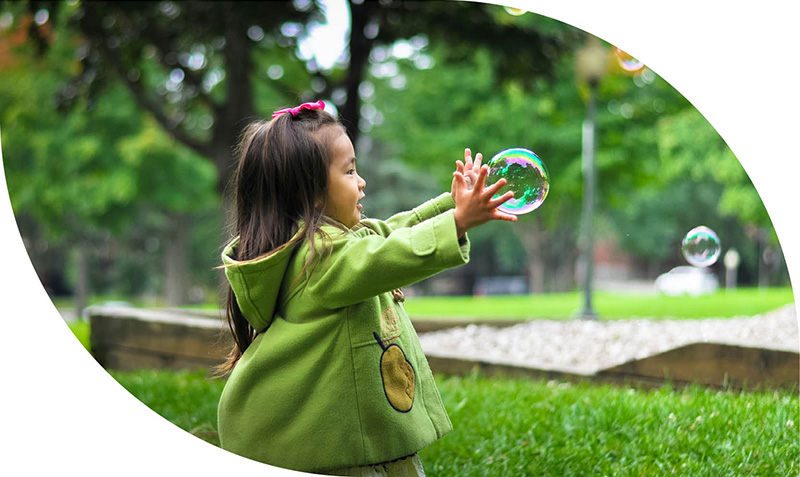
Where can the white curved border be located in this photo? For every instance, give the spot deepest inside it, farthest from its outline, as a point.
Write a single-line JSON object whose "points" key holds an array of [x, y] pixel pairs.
{"points": [[735, 63]]}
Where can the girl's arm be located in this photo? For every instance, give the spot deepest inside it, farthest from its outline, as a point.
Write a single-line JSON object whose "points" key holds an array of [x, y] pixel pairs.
{"points": [[363, 265], [409, 218], [470, 170]]}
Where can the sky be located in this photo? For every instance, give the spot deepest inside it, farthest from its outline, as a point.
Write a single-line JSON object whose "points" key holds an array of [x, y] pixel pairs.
{"points": [[326, 42]]}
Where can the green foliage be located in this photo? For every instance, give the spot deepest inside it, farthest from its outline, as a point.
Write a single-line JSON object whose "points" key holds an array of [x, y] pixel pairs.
{"points": [[170, 177], [89, 170], [85, 161], [44, 148], [692, 151], [100, 171], [662, 169]]}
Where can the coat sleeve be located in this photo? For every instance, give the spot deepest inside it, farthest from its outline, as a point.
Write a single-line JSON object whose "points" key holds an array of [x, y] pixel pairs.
{"points": [[422, 212], [363, 266]]}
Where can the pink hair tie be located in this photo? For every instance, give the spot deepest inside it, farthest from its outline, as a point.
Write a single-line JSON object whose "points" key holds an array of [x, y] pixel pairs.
{"points": [[318, 105]]}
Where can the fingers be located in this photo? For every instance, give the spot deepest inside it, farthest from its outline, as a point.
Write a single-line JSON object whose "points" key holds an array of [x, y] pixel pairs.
{"points": [[502, 199], [460, 166], [467, 159], [503, 216], [458, 180], [480, 183], [495, 188], [477, 164]]}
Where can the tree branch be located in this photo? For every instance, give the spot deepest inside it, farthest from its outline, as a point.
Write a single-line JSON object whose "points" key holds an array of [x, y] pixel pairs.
{"points": [[190, 76], [136, 88]]}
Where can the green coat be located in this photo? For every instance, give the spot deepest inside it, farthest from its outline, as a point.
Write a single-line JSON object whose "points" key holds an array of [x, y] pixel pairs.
{"points": [[336, 376]]}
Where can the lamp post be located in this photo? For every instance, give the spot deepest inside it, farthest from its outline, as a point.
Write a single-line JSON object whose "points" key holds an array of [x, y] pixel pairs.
{"points": [[591, 66]]}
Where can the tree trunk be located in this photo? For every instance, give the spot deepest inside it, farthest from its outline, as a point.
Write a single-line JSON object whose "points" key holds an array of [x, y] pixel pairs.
{"points": [[564, 273], [533, 239], [177, 272], [82, 285], [236, 112], [360, 47]]}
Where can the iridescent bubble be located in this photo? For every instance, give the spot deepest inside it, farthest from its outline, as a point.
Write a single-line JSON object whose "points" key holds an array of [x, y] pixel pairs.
{"points": [[701, 247], [526, 176], [515, 11], [627, 62]]}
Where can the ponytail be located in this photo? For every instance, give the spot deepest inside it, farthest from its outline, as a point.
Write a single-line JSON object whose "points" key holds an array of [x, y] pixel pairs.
{"points": [[242, 332]]}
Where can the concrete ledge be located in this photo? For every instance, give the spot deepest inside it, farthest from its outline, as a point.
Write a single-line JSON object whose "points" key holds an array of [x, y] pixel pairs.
{"points": [[136, 338], [715, 365], [718, 365], [132, 338]]}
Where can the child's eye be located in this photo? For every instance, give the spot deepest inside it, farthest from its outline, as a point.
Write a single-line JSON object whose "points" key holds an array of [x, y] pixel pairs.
{"points": [[351, 171]]}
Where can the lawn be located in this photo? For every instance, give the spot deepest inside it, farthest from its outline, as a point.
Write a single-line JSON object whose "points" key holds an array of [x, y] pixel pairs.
{"points": [[560, 306], [82, 331], [609, 306], [530, 427], [524, 427]]}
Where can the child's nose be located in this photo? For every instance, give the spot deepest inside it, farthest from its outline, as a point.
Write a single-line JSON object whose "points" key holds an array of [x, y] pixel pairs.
{"points": [[361, 183]]}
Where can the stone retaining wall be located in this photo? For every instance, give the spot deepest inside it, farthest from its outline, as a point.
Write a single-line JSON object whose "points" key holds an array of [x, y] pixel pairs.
{"points": [[130, 338]]}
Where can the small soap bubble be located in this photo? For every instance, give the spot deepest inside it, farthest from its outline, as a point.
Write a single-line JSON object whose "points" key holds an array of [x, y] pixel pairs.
{"points": [[701, 247], [515, 11], [627, 62], [526, 176]]}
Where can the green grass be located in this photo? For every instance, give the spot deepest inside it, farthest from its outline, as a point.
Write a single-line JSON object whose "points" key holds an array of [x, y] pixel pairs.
{"points": [[81, 330], [522, 427], [559, 306], [187, 399], [517, 427], [609, 306]]}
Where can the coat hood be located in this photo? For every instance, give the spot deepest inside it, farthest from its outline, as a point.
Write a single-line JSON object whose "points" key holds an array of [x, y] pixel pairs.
{"points": [[257, 283]]}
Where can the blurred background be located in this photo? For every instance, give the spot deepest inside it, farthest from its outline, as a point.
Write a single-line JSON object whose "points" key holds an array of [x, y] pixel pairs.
{"points": [[118, 121]]}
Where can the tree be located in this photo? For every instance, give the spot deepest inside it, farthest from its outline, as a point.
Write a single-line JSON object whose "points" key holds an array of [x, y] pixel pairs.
{"points": [[205, 61], [191, 69], [431, 114], [89, 174]]}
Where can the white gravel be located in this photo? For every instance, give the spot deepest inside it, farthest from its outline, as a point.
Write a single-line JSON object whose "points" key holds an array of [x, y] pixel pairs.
{"points": [[585, 347]]}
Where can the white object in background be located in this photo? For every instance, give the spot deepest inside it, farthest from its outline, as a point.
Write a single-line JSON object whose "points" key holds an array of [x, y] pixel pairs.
{"points": [[687, 281], [731, 261]]}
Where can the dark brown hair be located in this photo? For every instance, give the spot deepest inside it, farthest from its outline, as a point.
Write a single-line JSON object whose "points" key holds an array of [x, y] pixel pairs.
{"points": [[281, 180]]}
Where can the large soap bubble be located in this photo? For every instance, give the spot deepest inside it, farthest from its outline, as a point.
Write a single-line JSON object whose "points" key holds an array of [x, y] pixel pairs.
{"points": [[701, 247], [526, 176]]}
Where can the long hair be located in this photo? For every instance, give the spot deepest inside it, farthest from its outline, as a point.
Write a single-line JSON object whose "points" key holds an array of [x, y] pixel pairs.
{"points": [[281, 180]]}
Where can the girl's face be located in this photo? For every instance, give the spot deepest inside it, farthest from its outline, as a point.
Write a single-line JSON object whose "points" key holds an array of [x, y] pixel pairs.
{"points": [[345, 186]]}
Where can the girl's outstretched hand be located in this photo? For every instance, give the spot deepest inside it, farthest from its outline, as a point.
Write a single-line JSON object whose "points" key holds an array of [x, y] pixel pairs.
{"points": [[475, 206], [469, 169]]}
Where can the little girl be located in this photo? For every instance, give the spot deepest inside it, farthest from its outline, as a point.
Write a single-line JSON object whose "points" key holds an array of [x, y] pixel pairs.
{"points": [[327, 374]]}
